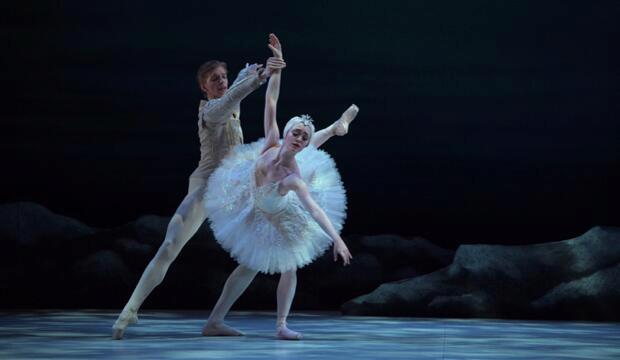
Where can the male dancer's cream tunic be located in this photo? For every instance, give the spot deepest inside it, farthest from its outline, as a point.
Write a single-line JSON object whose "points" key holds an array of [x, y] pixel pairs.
{"points": [[219, 130]]}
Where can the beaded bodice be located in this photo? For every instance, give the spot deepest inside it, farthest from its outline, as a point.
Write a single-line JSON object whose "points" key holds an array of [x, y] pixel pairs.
{"points": [[268, 198]]}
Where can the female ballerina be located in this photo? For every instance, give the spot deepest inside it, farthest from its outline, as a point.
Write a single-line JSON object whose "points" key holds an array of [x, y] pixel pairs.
{"points": [[272, 215], [219, 129]]}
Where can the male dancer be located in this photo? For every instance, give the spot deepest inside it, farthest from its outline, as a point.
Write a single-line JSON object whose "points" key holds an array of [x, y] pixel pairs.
{"points": [[219, 129]]}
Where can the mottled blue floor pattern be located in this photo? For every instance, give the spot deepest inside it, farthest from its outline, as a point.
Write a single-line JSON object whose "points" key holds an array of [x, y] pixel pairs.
{"points": [[176, 335]]}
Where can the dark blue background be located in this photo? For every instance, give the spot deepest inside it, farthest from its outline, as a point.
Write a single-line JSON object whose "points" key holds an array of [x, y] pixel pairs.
{"points": [[481, 121]]}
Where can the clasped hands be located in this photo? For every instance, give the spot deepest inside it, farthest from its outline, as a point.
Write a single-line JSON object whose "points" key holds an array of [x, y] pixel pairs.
{"points": [[274, 63]]}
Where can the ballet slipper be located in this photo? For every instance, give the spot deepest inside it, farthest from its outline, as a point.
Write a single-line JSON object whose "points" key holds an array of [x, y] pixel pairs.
{"points": [[284, 333], [220, 329], [341, 126], [125, 318]]}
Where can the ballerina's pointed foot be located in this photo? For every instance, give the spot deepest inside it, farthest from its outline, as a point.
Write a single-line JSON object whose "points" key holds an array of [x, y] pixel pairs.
{"points": [[284, 333], [342, 124], [220, 329], [126, 318]]}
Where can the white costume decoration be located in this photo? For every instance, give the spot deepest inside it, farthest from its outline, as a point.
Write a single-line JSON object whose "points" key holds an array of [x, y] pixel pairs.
{"points": [[260, 228]]}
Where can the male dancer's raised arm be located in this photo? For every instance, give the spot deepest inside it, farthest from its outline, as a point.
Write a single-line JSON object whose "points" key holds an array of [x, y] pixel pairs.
{"points": [[249, 79]]}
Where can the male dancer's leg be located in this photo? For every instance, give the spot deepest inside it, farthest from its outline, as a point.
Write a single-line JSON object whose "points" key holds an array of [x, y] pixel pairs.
{"points": [[286, 293], [183, 225], [235, 285]]}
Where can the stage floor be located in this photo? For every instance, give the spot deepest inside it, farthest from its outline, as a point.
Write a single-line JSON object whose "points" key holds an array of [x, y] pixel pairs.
{"points": [[176, 335]]}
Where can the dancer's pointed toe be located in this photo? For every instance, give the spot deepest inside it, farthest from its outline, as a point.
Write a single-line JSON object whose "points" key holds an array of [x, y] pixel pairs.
{"points": [[341, 126], [125, 318], [220, 329]]}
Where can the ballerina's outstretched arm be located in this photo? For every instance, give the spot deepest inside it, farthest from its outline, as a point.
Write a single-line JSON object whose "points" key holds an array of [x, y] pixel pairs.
{"points": [[299, 186], [272, 133]]}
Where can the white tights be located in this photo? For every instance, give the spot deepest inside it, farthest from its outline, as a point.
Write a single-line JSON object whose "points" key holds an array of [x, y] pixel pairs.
{"points": [[286, 293], [183, 225], [238, 282]]}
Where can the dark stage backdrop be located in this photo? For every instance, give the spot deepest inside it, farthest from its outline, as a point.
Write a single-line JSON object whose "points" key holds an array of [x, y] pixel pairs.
{"points": [[481, 121]]}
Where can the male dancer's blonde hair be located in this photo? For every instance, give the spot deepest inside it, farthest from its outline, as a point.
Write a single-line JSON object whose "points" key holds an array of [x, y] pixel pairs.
{"points": [[205, 69]]}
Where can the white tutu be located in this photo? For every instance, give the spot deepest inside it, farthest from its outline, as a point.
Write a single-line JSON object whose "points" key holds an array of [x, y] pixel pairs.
{"points": [[272, 241]]}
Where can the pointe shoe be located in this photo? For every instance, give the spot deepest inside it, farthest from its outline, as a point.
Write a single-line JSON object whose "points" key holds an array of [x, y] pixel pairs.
{"points": [[125, 318], [342, 125], [284, 333], [220, 329]]}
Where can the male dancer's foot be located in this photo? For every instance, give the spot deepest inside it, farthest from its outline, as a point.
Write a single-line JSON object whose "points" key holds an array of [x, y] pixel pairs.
{"points": [[220, 329], [125, 318], [341, 126], [284, 333]]}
